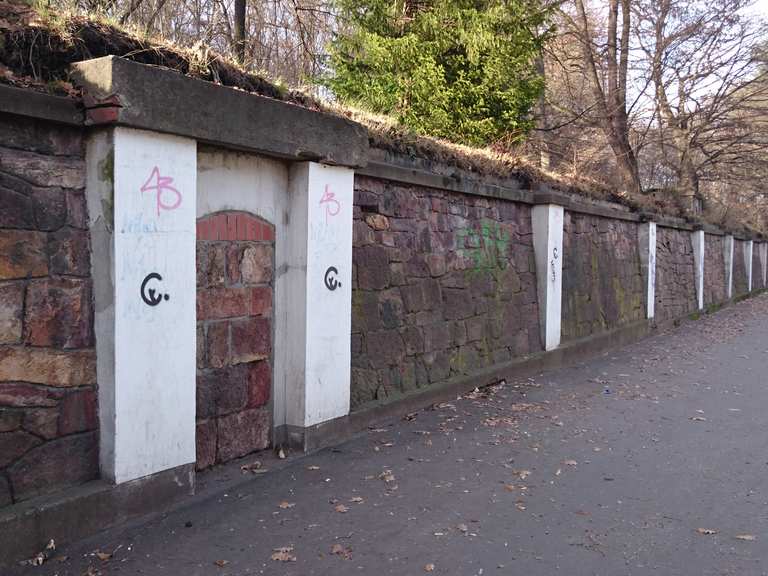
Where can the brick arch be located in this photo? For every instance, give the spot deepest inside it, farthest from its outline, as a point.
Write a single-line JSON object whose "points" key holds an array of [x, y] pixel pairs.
{"points": [[235, 290], [234, 226]]}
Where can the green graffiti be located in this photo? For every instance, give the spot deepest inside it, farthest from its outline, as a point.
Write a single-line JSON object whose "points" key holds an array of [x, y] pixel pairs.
{"points": [[487, 246]]}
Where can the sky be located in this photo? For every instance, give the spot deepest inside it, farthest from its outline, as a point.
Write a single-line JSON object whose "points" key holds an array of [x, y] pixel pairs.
{"points": [[761, 7]]}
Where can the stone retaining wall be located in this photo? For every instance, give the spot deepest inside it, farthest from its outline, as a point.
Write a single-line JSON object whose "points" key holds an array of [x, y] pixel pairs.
{"points": [[675, 287], [443, 285], [740, 287], [715, 288], [602, 282], [48, 408]]}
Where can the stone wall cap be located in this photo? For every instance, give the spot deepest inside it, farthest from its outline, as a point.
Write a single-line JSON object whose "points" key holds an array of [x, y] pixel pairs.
{"points": [[125, 93], [25, 102]]}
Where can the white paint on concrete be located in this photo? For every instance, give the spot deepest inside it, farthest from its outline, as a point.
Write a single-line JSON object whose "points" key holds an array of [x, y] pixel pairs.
{"points": [[748, 247], [319, 296], [548, 249], [728, 245], [647, 239], [697, 239], [147, 375]]}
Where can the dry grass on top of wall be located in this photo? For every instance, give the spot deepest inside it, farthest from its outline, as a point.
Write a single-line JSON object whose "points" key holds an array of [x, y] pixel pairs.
{"points": [[37, 48]]}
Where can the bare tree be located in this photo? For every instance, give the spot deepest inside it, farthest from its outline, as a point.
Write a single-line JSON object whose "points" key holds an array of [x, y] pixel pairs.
{"points": [[701, 61], [606, 67]]}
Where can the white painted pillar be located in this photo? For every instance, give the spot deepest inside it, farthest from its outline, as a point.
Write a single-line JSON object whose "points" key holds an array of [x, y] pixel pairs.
{"points": [[647, 238], [315, 359], [142, 201], [748, 246], [697, 239], [764, 262], [728, 259], [548, 249]]}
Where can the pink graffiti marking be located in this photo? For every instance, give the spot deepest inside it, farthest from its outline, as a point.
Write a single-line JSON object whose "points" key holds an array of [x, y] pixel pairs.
{"points": [[332, 206], [162, 184]]}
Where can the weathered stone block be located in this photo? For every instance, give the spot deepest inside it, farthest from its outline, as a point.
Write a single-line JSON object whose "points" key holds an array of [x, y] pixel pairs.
{"points": [[391, 308], [217, 344], [457, 304], [24, 254], [14, 445], [215, 303], [26, 206], [251, 339], [476, 328], [259, 383], [377, 221], [385, 348], [42, 422], [77, 209], [78, 412], [256, 264], [5, 492], [58, 313], [205, 443], [17, 394], [69, 250], [413, 340], [438, 365], [261, 301], [365, 311], [372, 268], [50, 367], [437, 336], [242, 433], [54, 465], [11, 307], [43, 170], [10, 420], [211, 264]]}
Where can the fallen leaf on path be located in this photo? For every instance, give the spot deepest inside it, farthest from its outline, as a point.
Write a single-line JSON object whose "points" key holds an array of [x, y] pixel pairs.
{"points": [[285, 505], [313, 467], [103, 556], [706, 531], [341, 509], [387, 476], [522, 474], [281, 454], [747, 537], [429, 567], [339, 550], [283, 554], [356, 500], [221, 563], [697, 419], [570, 462], [462, 528]]}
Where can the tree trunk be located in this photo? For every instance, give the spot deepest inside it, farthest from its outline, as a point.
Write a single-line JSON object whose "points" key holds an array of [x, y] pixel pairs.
{"points": [[240, 31]]}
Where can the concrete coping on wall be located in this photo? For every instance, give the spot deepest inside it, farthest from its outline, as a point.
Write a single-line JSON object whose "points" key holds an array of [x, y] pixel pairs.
{"points": [[25, 102], [406, 169], [122, 92], [125, 93]]}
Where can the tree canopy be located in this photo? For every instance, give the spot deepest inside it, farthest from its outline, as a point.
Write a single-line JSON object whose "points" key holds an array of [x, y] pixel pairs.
{"points": [[457, 69]]}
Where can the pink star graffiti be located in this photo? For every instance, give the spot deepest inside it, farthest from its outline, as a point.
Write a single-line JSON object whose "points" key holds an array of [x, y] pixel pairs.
{"points": [[162, 185]]}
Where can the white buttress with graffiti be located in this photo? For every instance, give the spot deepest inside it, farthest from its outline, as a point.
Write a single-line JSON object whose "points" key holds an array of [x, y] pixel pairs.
{"points": [[329, 293], [154, 255]]}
